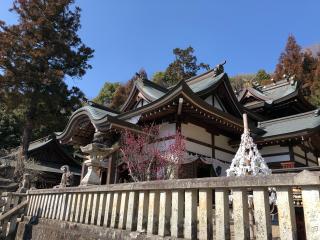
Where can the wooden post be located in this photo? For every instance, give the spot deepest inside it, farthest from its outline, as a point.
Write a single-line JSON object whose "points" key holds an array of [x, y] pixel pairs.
{"points": [[78, 207], [94, 211], [123, 210], [88, 209], [115, 210], [177, 213], [73, 207], [311, 211], [102, 200], [142, 211], [83, 208], [205, 214], [153, 212], [241, 215], [286, 214], [190, 219], [132, 211], [262, 214], [222, 214], [108, 209], [164, 213]]}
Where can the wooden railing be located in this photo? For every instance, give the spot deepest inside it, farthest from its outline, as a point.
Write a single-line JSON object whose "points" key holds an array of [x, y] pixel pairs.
{"points": [[188, 208], [14, 205]]}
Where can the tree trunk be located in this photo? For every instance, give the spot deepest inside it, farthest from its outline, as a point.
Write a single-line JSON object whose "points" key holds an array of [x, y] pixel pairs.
{"points": [[25, 142]]}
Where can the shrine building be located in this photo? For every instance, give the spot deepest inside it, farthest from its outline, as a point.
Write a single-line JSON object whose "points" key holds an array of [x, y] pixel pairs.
{"points": [[283, 124]]}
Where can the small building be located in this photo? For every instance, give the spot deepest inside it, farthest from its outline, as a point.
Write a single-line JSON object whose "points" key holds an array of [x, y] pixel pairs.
{"points": [[47, 156], [209, 115]]}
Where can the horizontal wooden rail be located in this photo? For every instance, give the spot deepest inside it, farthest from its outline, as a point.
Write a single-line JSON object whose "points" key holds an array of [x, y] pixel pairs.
{"points": [[13, 211], [186, 208]]}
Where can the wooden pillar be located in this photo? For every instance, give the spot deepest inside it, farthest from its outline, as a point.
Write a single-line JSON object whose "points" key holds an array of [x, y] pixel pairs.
{"points": [[73, 207], [190, 219], [241, 215], [102, 203], [142, 211], [262, 214], [94, 210], [123, 210], [78, 207], [177, 213], [286, 214], [108, 209], [83, 208], [88, 209], [132, 211], [115, 210], [68, 209], [153, 212], [205, 214], [222, 214], [164, 213], [311, 211]]}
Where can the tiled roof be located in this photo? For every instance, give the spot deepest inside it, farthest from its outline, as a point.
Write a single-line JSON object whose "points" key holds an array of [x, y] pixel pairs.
{"points": [[303, 122]]}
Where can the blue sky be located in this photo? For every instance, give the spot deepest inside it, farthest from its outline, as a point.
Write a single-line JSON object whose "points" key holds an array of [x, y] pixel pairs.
{"points": [[130, 34]]}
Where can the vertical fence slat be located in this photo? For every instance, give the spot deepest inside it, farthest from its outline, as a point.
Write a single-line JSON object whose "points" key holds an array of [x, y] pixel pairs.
{"points": [[73, 207], [108, 209], [164, 213], [205, 214], [78, 207], [123, 210], [46, 215], [262, 214], [132, 211], [31, 204], [88, 209], [68, 207], [102, 203], [286, 214], [94, 211], [52, 206], [153, 212], [63, 206], [83, 208], [115, 210], [58, 210], [177, 213], [311, 210], [190, 219], [240, 214], [142, 211], [222, 214]]}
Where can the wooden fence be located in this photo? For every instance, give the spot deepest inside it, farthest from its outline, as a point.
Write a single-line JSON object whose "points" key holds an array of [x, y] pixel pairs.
{"points": [[186, 208]]}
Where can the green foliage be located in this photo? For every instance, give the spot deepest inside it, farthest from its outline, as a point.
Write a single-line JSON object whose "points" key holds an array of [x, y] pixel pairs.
{"points": [[123, 91], [262, 77], [35, 56], [106, 93], [183, 67], [159, 78]]}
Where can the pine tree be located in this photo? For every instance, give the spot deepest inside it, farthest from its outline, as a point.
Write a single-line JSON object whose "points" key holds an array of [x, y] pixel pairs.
{"points": [[290, 61], [35, 56]]}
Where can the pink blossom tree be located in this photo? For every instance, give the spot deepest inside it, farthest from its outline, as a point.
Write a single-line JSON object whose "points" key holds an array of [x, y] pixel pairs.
{"points": [[148, 157]]}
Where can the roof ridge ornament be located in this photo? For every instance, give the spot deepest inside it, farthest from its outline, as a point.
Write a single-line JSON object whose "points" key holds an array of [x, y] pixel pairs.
{"points": [[219, 69], [248, 160]]}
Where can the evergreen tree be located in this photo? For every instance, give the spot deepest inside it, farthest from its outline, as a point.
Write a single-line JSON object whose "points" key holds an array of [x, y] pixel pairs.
{"points": [[122, 92], [290, 61], [262, 77], [106, 93], [35, 56], [183, 67]]}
